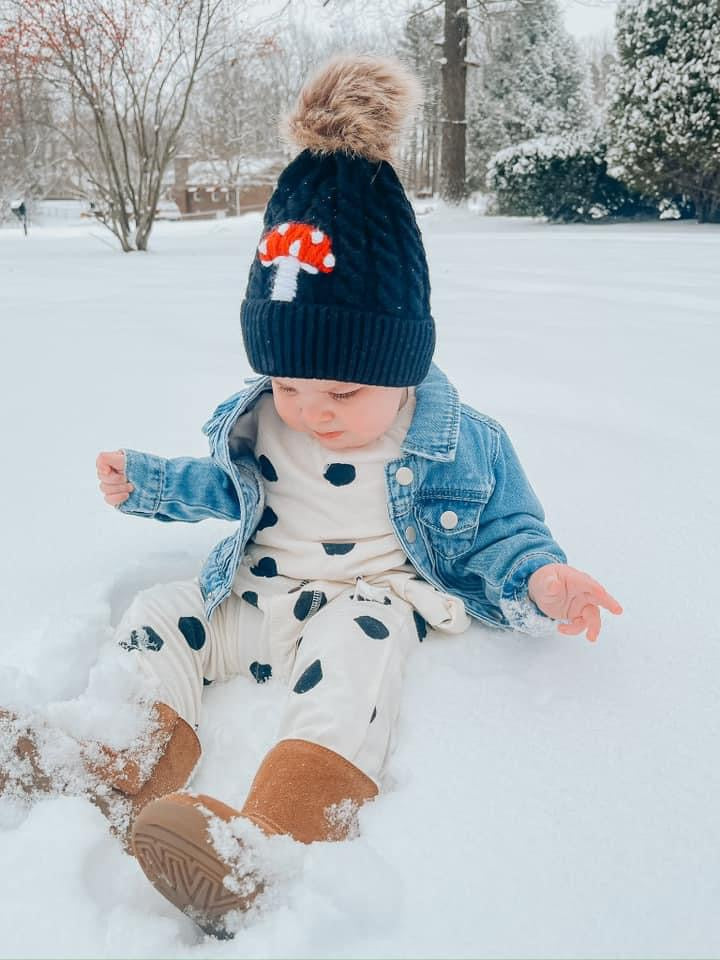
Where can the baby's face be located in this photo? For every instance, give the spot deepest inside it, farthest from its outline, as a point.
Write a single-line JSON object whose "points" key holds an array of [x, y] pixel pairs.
{"points": [[338, 415]]}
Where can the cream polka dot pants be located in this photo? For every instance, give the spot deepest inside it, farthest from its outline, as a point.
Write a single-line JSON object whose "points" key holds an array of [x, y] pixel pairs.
{"points": [[340, 650]]}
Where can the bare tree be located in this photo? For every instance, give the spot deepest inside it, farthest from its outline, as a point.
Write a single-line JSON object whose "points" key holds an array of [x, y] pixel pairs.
{"points": [[24, 107], [125, 70], [234, 112], [228, 113]]}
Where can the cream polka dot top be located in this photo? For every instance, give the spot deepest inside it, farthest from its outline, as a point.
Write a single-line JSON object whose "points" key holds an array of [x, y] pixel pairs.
{"points": [[326, 516]]}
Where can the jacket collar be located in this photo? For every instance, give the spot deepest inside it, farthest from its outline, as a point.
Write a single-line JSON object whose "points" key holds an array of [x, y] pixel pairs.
{"points": [[435, 426]]}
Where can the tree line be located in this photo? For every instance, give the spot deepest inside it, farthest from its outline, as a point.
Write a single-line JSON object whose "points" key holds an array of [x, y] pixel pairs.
{"points": [[99, 96]]}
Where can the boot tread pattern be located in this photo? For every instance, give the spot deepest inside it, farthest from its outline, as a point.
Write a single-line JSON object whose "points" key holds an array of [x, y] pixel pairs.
{"points": [[185, 874]]}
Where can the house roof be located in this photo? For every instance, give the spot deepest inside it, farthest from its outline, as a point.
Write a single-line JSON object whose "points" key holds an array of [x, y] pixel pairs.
{"points": [[240, 172]]}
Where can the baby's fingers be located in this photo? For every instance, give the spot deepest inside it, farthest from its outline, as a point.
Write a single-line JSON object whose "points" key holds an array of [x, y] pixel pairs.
{"points": [[115, 499], [610, 603], [598, 594], [588, 619], [574, 627], [116, 486], [110, 463]]}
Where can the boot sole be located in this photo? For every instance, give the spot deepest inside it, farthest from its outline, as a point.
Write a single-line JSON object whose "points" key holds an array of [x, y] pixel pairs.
{"points": [[172, 846]]}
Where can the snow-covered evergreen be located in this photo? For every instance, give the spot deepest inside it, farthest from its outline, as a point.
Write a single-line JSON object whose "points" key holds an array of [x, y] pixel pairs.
{"points": [[665, 107], [563, 178], [533, 82]]}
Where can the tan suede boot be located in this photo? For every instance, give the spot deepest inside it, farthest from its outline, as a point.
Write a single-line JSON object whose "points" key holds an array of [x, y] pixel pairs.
{"points": [[120, 783], [301, 789], [20, 771]]}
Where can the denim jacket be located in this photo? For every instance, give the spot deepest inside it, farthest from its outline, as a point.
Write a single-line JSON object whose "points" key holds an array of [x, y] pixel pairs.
{"points": [[457, 498]]}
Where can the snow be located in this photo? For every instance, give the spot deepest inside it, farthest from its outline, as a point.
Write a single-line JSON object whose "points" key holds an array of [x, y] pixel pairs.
{"points": [[547, 797]]}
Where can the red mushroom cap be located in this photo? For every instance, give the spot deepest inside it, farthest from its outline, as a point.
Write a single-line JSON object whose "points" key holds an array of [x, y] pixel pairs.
{"points": [[306, 243]]}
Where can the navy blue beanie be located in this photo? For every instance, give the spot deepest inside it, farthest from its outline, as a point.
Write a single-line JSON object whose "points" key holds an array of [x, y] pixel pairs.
{"points": [[339, 288]]}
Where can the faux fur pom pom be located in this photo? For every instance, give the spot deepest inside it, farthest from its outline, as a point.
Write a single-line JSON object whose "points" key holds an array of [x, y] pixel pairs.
{"points": [[354, 104]]}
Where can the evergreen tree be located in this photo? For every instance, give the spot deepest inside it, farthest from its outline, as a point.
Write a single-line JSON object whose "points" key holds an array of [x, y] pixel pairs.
{"points": [[533, 81], [665, 108]]}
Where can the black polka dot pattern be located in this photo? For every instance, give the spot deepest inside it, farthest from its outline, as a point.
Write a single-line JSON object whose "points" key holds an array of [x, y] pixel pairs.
{"points": [[309, 678], [265, 567], [298, 642], [193, 631], [374, 714], [249, 596], [420, 625], [339, 474], [206, 682], [304, 603], [268, 518], [143, 639], [266, 468], [261, 671], [337, 549], [372, 627]]}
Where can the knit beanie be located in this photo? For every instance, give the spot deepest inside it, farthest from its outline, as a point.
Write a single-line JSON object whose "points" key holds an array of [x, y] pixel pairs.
{"points": [[339, 287]]}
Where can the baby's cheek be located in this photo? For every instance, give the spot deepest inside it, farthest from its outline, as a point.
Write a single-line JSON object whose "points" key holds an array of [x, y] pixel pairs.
{"points": [[369, 427], [286, 412]]}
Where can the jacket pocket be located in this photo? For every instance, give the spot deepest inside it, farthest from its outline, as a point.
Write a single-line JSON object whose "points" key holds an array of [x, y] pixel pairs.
{"points": [[450, 524]]}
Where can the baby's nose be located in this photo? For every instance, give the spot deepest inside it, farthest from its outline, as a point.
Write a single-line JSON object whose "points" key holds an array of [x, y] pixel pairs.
{"points": [[322, 420], [317, 412]]}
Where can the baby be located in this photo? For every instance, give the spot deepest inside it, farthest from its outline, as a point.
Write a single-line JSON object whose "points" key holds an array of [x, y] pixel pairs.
{"points": [[372, 509]]}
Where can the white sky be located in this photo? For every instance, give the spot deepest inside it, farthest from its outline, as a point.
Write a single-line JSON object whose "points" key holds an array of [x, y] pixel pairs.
{"points": [[582, 17]]}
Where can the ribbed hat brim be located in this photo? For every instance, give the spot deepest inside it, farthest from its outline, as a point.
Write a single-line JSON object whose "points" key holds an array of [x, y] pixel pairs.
{"points": [[334, 342]]}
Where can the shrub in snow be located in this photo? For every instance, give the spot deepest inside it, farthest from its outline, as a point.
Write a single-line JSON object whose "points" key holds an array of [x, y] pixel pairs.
{"points": [[532, 82], [564, 178], [664, 111]]}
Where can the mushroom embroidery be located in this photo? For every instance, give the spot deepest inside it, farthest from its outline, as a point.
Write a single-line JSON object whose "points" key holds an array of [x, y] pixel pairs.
{"points": [[295, 247]]}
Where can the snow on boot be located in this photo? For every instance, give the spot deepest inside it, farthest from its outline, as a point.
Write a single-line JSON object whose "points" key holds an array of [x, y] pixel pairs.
{"points": [[36, 760], [301, 789], [160, 764]]}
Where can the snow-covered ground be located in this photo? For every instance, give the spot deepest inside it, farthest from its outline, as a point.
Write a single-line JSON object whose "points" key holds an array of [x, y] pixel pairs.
{"points": [[549, 797]]}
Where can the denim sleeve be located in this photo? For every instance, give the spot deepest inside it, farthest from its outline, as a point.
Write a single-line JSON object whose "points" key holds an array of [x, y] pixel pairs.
{"points": [[184, 488], [513, 540]]}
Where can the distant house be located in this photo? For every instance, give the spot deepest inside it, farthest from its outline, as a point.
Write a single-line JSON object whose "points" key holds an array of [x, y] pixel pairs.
{"points": [[206, 188]]}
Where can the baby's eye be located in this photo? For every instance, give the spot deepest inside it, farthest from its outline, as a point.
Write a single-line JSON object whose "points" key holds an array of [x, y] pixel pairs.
{"points": [[344, 396]]}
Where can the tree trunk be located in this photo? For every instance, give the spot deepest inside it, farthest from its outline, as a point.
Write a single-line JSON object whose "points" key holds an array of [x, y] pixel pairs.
{"points": [[707, 201], [453, 188]]}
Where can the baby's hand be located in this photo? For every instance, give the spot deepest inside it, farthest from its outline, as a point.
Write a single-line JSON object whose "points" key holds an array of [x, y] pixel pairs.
{"points": [[564, 593], [111, 474]]}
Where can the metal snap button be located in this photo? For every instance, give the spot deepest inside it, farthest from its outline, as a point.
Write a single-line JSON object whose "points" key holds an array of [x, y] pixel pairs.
{"points": [[404, 476], [449, 520], [410, 534]]}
